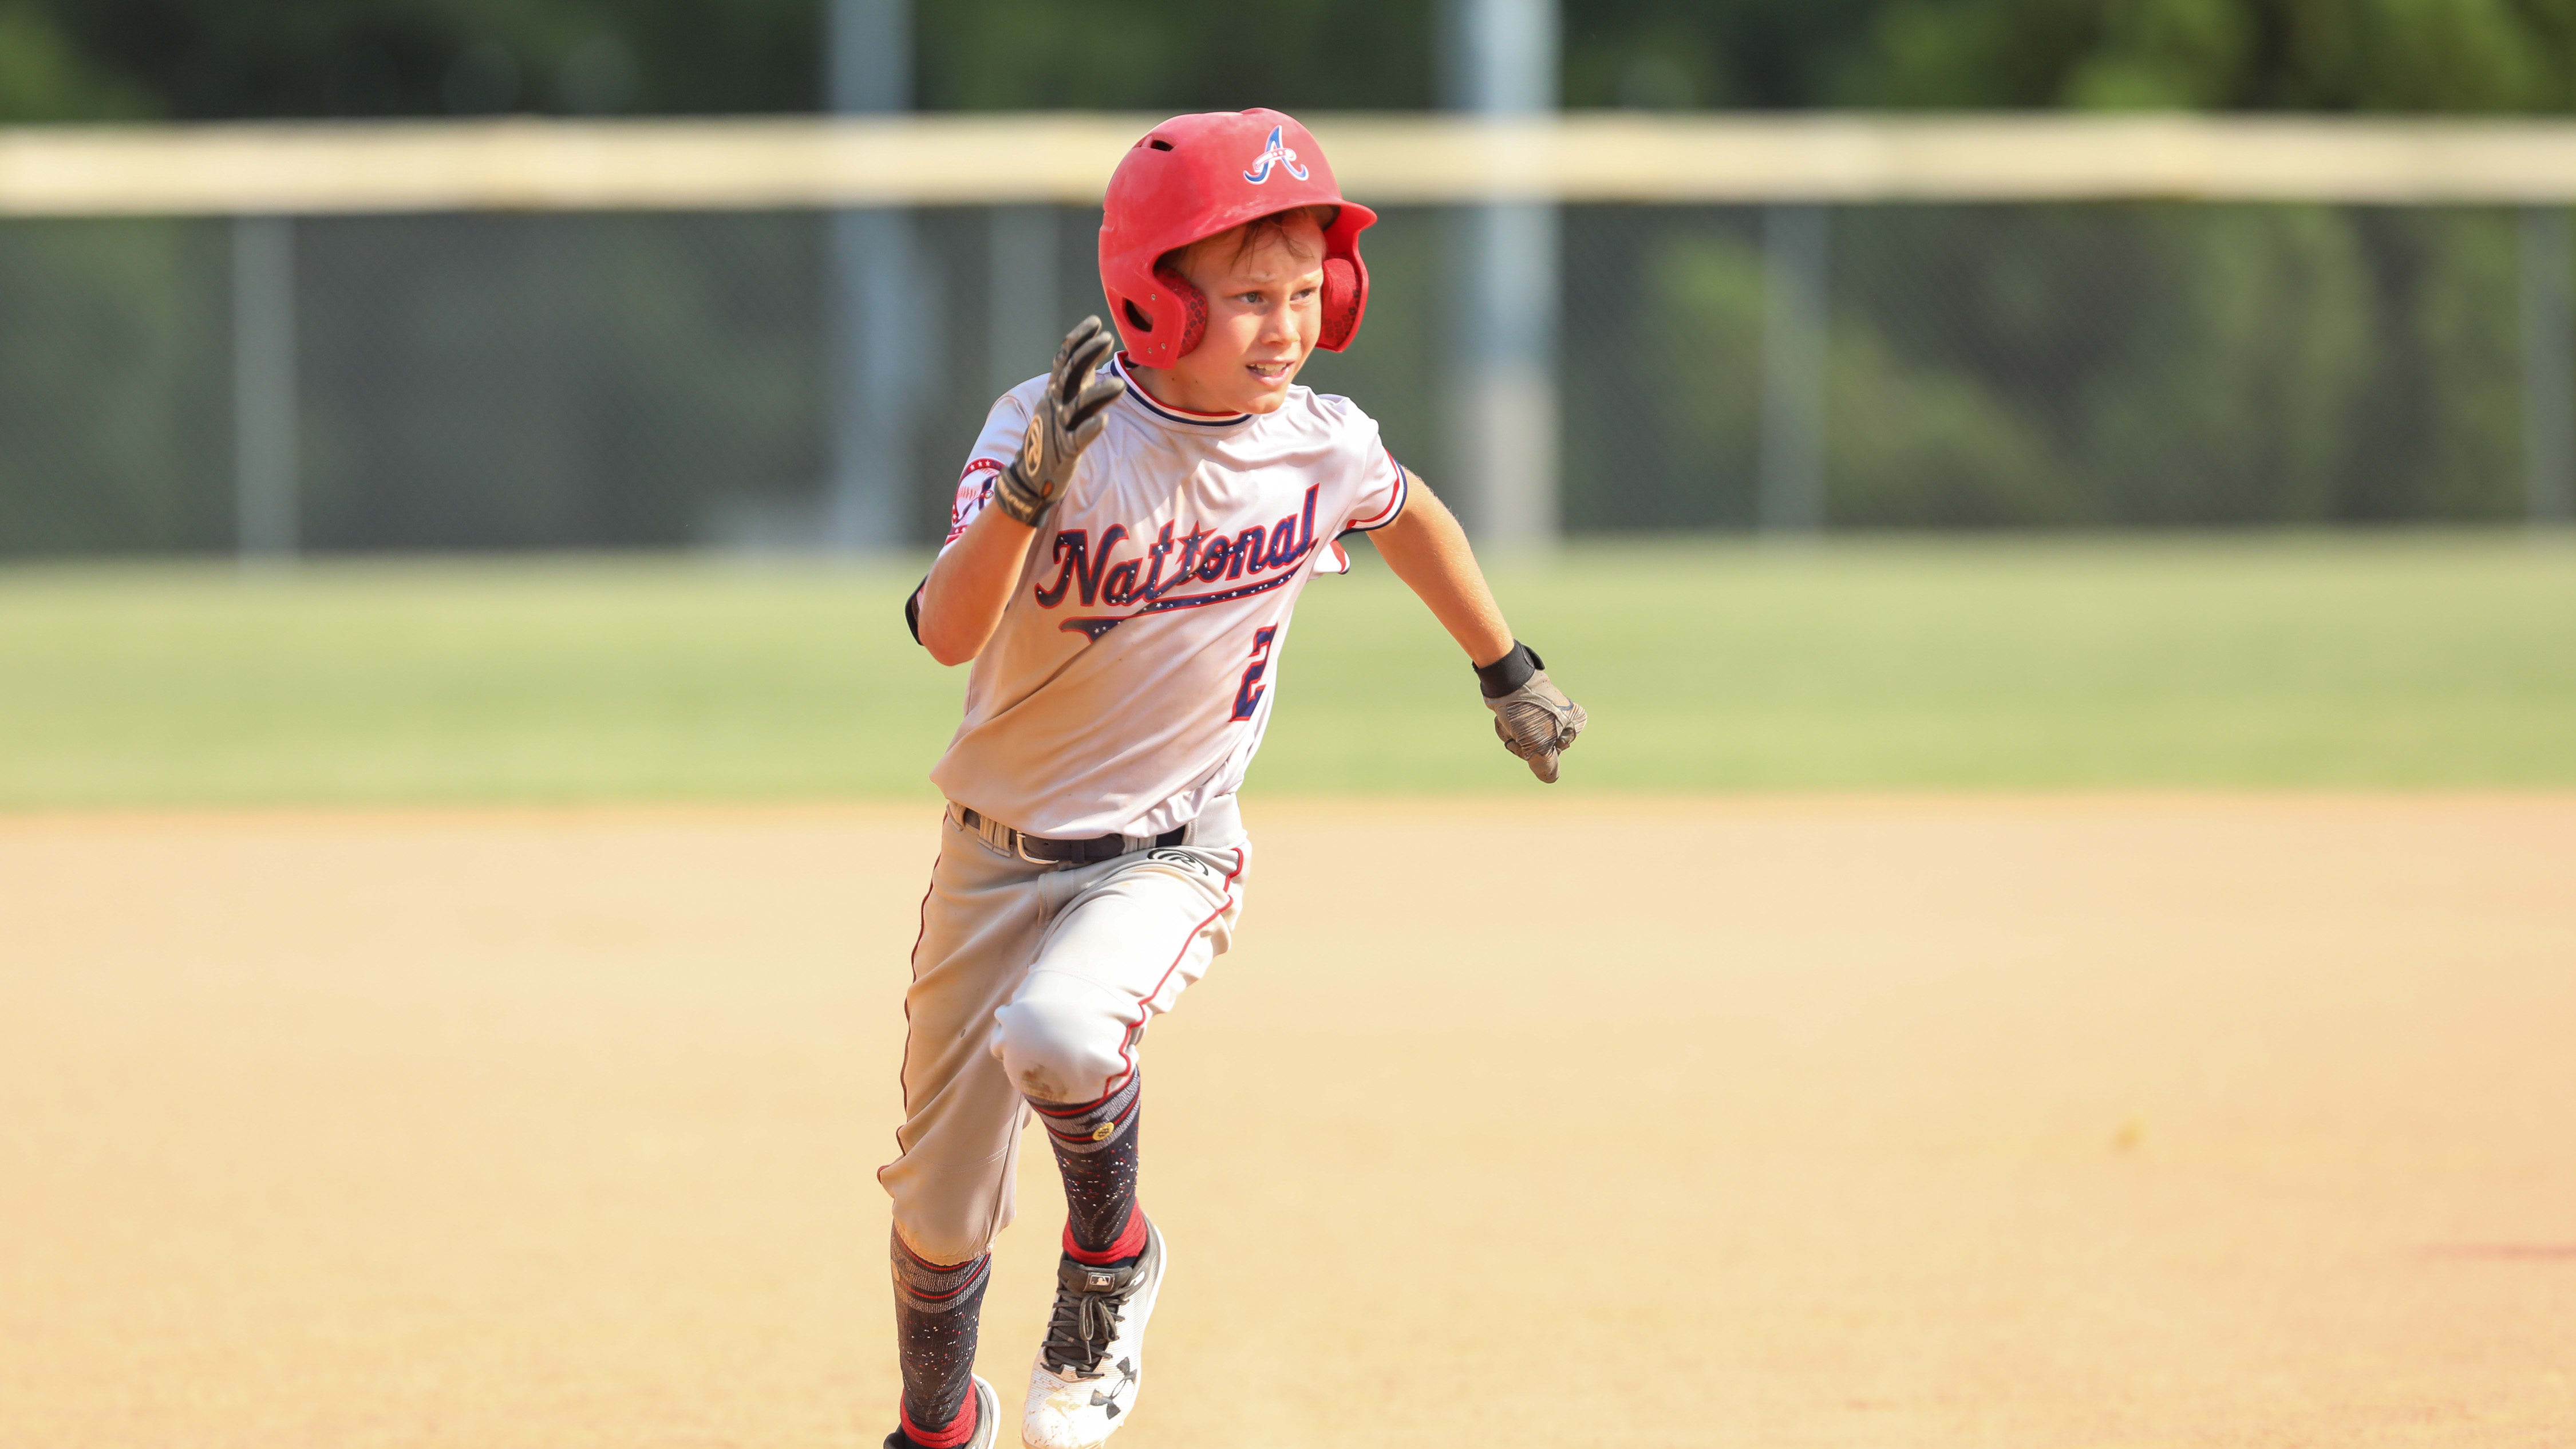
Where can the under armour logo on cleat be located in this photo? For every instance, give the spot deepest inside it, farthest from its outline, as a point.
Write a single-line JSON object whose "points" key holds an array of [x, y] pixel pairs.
{"points": [[1126, 1381], [1276, 155]]}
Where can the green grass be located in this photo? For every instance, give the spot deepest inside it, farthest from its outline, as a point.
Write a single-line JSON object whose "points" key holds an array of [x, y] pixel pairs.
{"points": [[2265, 662]]}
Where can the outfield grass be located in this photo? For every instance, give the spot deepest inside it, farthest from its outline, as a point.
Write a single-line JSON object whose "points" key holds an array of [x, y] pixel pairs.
{"points": [[2298, 662]]}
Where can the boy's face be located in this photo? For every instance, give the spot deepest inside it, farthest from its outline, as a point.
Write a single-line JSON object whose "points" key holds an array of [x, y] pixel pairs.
{"points": [[1265, 311]]}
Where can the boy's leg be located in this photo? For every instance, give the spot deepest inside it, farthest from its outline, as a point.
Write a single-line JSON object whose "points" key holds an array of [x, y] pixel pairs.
{"points": [[1095, 1146], [936, 1309], [1130, 935], [1134, 934], [1119, 953], [980, 927]]}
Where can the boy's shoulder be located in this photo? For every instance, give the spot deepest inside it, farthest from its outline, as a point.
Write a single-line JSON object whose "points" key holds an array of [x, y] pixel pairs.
{"points": [[1022, 398], [1329, 409]]}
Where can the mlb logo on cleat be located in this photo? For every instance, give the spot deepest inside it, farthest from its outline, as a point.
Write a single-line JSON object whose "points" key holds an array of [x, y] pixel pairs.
{"points": [[1277, 154]]}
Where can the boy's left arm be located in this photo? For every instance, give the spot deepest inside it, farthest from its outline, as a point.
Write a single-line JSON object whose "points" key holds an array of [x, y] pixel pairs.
{"points": [[1428, 550]]}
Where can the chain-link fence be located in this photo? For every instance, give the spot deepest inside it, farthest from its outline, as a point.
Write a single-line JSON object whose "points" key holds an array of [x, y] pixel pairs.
{"points": [[553, 380]]}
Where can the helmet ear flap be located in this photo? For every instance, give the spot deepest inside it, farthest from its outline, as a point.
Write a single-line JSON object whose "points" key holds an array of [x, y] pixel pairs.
{"points": [[1343, 294], [1194, 309]]}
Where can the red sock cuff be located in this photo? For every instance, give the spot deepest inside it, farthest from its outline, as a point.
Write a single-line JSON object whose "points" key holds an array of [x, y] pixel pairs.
{"points": [[959, 1430], [1130, 1242]]}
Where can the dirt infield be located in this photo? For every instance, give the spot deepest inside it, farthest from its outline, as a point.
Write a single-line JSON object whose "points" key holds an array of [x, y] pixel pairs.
{"points": [[2084, 1121]]}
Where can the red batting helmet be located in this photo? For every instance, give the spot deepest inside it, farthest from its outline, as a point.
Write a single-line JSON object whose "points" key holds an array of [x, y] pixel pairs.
{"points": [[1195, 176]]}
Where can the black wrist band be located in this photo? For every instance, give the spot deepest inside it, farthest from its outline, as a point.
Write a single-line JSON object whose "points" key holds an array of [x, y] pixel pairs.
{"points": [[1509, 672]]}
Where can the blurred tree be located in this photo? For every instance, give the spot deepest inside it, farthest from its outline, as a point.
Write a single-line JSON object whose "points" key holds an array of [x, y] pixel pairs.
{"points": [[247, 58], [2419, 55], [1163, 55], [225, 58], [45, 77], [232, 58], [2391, 55]]}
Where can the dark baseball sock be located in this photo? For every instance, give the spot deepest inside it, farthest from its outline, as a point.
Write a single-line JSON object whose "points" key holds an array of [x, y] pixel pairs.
{"points": [[935, 1312], [1095, 1148]]}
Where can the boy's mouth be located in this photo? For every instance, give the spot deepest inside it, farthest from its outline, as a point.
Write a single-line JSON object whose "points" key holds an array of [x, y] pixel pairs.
{"points": [[1267, 371]]}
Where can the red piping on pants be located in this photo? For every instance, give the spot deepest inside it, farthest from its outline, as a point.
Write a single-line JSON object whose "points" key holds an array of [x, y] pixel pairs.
{"points": [[1144, 1006]]}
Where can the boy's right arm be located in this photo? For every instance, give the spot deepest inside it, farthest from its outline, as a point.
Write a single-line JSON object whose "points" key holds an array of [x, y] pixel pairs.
{"points": [[957, 608], [962, 600]]}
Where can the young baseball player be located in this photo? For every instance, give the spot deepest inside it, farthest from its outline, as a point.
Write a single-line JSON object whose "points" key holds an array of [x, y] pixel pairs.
{"points": [[1129, 537]]}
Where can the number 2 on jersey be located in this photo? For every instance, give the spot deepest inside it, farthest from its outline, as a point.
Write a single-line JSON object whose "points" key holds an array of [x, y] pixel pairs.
{"points": [[1248, 697]]}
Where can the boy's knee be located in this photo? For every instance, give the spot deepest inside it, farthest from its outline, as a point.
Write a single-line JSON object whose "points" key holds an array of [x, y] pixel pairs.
{"points": [[947, 1214], [939, 1243], [1061, 1043]]}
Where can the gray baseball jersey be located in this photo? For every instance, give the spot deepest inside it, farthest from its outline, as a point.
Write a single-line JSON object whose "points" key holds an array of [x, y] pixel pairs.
{"points": [[1131, 677]]}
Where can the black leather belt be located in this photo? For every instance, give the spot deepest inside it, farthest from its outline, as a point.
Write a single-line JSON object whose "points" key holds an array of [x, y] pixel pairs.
{"points": [[1042, 850]]}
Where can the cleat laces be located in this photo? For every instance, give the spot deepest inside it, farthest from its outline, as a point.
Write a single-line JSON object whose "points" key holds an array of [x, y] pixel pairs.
{"points": [[1087, 1304]]}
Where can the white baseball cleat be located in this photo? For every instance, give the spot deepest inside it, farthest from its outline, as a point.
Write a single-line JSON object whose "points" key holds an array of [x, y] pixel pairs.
{"points": [[988, 1420], [1084, 1384]]}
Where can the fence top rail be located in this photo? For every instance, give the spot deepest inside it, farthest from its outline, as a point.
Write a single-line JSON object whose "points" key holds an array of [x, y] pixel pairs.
{"points": [[939, 160]]}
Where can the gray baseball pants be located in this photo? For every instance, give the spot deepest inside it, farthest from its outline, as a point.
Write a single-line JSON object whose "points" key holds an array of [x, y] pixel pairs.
{"points": [[1037, 980]]}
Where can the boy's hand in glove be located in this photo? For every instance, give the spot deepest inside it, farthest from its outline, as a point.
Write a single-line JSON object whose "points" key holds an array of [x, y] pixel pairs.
{"points": [[1531, 715], [1067, 419]]}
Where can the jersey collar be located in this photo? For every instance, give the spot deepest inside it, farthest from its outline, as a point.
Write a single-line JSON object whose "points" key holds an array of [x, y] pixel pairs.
{"points": [[1168, 413]]}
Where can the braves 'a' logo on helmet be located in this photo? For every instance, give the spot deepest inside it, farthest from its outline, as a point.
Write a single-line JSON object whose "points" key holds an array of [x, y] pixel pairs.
{"points": [[1277, 154]]}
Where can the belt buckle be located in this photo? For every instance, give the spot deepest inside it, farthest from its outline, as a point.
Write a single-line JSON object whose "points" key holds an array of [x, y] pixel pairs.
{"points": [[998, 835]]}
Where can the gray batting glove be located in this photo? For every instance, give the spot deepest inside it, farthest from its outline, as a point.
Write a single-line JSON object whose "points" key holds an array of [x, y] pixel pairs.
{"points": [[1068, 417], [1532, 717]]}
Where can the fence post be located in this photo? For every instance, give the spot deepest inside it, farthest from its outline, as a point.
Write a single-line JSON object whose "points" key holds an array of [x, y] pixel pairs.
{"points": [[2548, 369], [874, 291], [265, 415], [1021, 333], [1796, 249], [1500, 60]]}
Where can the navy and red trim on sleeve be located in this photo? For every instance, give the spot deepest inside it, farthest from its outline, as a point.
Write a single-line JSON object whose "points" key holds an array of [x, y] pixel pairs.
{"points": [[1395, 508]]}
